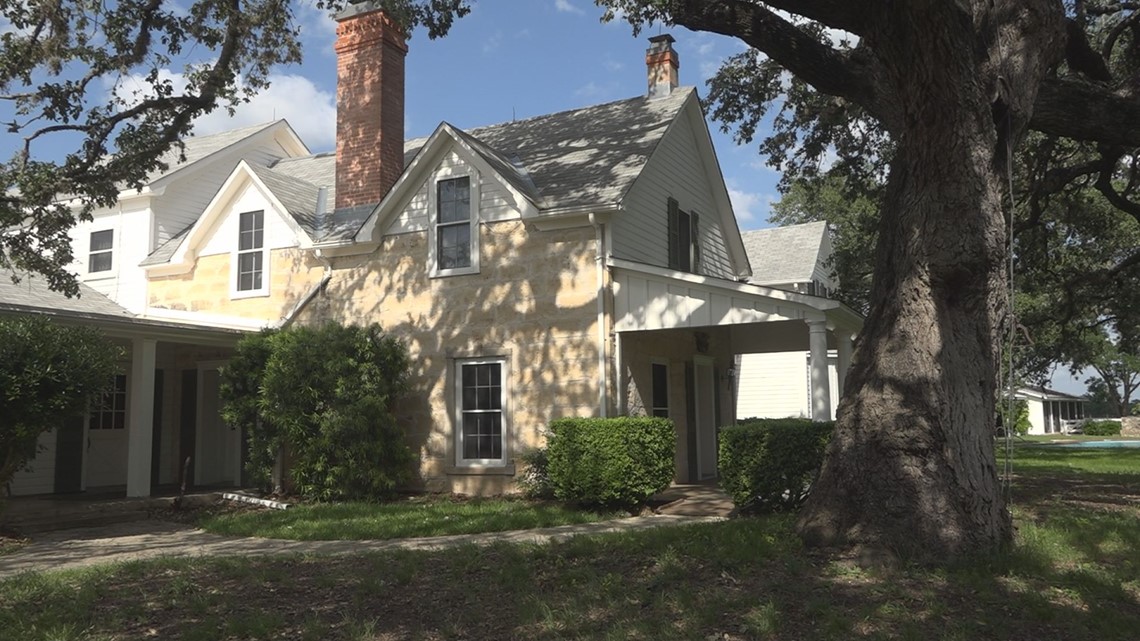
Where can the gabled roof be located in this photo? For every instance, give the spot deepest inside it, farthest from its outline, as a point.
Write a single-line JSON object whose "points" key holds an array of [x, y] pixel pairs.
{"points": [[196, 148], [781, 255], [1044, 393], [32, 294]]}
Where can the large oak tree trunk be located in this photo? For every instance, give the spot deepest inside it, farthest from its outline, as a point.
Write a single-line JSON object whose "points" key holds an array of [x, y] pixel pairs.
{"points": [[911, 469]]}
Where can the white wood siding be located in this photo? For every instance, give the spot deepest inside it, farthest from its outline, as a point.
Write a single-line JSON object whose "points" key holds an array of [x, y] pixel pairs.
{"points": [[186, 197], [40, 479], [640, 232], [223, 235], [1036, 416], [778, 385], [495, 202], [649, 302], [125, 283]]}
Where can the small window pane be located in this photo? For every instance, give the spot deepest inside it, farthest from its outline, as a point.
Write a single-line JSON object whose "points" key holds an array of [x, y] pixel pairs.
{"points": [[454, 246], [100, 262], [102, 240], [454, 200]]}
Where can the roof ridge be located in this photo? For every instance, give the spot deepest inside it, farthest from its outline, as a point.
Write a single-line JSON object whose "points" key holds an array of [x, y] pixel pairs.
{"points": [[565, 112]]}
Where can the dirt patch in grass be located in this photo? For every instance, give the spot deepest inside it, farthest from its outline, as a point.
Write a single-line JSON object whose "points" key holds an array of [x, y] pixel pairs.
{"points": [[11, 542]]}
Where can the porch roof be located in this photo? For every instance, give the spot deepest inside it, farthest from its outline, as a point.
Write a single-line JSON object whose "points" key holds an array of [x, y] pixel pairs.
{"points": [[650, 298]]}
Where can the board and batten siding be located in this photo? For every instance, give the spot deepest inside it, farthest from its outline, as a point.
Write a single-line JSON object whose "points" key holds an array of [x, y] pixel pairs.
{"points": [[676, 169], [495, 202], [778, 385], [39, 476]]}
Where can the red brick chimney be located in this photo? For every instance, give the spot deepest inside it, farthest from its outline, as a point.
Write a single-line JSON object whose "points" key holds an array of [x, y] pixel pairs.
{"points": [[662, 66], [370, 52]]}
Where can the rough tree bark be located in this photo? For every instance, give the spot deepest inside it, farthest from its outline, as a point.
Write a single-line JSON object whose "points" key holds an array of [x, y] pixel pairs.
{"points": [[911, 469]]}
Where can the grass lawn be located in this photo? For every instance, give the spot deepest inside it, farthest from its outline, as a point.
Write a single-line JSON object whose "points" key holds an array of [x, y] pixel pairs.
{"points": [[422, 516], [1073, 574]]}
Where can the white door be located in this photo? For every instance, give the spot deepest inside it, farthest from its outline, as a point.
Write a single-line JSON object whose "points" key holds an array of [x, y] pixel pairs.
{"points": [[106, 443], [704, 381], [217, 444]]}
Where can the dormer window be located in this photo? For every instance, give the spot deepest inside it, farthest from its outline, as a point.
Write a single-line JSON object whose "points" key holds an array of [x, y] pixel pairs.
{"points": [[250, 271], [456, 242], [684, 239], [100, 255]]}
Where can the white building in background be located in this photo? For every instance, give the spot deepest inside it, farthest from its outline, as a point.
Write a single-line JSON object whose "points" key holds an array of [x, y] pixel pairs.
{"points": [[1052, 412]]}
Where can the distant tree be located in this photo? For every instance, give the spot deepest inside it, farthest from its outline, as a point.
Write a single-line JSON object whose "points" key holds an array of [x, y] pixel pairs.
{"points": [[48, 373], [118, 85], [1117, 367]]}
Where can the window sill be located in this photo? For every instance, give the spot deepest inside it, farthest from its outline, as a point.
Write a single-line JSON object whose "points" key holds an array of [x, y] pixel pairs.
{"points": [[235, 295], [445, 273], [507, 469], [94, 276]]}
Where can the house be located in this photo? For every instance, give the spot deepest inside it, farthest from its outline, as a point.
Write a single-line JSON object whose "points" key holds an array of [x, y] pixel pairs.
{"points": [[778, 384], [581, 263], [1052, 412]]}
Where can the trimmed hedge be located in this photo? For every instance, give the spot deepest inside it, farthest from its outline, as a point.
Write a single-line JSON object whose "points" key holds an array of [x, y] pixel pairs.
{"points": [[1101, 428], [768, 465], [610, 461]]}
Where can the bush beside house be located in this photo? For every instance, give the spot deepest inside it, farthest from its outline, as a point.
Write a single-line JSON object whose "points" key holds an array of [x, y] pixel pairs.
{"points": [[610, 461], [48, 373], [323, 395], [770, 464], [1102, 428]]}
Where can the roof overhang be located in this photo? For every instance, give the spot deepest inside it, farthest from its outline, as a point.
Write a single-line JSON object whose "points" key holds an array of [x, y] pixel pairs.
{"points": [[649, 298], [136, 327]]}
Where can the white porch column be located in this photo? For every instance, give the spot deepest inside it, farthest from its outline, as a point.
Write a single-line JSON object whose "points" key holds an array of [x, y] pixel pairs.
{"points": [[845, 345], [820, 387], [140, 418]]}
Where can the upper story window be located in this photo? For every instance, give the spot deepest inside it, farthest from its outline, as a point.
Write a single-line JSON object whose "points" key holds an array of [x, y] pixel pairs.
{"points": [[100, 255], [251, 254], [453, 224], [684, 239]]}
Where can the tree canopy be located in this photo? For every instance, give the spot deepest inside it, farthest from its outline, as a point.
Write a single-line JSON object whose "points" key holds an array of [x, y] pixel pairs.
{"points": [[936, 109], [120, 84]]}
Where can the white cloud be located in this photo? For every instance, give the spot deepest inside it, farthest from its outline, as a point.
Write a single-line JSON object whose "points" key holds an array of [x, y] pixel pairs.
{"points": [[565, 6], [493, 42], [310, 110], [750, 207]]}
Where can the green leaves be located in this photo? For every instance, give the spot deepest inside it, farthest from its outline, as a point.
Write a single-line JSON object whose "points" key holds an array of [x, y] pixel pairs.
{"points": [[48, 372], [770, 464], [610, 461], [324, 395]]}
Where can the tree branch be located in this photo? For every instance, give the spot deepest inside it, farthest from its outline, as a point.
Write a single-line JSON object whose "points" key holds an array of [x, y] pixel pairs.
{"points": [[824, 68], [1085, 111], [848, 15]]}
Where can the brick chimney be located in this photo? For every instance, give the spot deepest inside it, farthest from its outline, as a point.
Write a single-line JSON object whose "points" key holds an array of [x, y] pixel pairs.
{"points": [[370, 51], [662, 65]]}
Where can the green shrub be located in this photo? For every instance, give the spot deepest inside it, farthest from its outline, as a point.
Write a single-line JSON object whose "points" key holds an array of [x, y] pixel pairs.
{"points": [[1020, 418], [534, 480], [1102, 428], [610, 461], [48, 372], [770, 464], [324, 395]]}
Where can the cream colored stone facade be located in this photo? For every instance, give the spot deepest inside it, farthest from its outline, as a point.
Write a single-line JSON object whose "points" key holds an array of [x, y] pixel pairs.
{"points": [[208, 287], [534, 303]]}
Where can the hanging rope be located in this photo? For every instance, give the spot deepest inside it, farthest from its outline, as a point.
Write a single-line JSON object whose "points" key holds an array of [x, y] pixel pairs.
{"points": [[1010, 422]]}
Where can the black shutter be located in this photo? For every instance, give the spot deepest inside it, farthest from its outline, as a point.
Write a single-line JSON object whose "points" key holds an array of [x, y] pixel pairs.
{"points": [[695, 221], [674, 235]]}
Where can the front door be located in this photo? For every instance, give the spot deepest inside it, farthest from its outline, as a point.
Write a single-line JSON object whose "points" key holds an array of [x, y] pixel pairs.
{"points": [[217, 445], [107, 437], [704, 383]]}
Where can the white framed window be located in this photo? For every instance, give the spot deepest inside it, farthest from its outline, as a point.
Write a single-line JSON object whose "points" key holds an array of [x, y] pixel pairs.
{"points": [[250, 259], [455, 225], [684, 238], [109, 411], [659, 404], [480, 411], [101, 252]]}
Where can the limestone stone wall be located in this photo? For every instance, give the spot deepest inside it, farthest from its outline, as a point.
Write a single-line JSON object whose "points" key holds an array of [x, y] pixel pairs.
{"points": [[533, 303], [208, 287], [1130, 426]]}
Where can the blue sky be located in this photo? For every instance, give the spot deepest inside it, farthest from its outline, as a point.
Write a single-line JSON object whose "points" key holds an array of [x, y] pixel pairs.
{"points": [[510, 59]]}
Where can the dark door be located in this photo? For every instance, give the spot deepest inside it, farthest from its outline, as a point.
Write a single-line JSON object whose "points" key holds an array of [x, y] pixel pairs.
{"points": [[187, 426], [156, 439], [69, 456]]}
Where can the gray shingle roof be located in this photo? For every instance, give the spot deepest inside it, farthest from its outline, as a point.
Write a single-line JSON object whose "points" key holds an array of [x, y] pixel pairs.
{"points": [[782, 255], [198, 147], [583, 157], [32, 294], [164, 252]]}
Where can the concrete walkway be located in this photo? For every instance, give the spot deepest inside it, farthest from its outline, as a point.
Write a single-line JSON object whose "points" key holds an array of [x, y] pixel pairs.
{"points": [[149, 539]]}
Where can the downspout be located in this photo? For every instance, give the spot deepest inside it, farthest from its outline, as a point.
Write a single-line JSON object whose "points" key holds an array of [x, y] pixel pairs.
{"points": [[322, 205], [600, 263]]}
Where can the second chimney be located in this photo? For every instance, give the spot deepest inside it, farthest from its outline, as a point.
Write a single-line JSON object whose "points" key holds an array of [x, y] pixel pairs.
{"points": [[662, 65], [370, 51]]}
